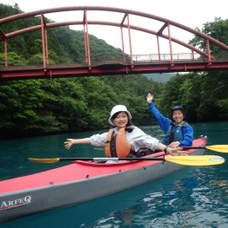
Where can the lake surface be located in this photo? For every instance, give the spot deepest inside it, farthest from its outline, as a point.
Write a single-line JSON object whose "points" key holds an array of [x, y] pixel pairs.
{"points": [[191, 197]]}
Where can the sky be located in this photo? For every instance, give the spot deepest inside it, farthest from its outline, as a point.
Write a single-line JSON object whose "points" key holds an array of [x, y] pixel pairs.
{"points": [[192, 13]]}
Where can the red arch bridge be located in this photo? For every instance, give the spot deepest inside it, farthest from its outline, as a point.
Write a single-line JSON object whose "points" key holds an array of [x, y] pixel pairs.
{"points": [[194, 60]]}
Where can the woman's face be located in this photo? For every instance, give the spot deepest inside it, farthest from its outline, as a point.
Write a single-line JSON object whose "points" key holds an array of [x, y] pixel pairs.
{"points": [[121, 120], [178, 116]]}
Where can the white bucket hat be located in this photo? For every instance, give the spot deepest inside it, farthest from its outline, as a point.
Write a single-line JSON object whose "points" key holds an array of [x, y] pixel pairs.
{"points": [[118, 108]]}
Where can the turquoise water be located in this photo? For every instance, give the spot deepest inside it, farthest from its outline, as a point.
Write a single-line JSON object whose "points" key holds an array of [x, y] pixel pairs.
{"points": [[191, 197]]}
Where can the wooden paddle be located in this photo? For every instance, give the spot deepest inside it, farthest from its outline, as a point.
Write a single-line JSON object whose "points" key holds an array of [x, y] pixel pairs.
{"points": [[196, 160], [219, 148]]}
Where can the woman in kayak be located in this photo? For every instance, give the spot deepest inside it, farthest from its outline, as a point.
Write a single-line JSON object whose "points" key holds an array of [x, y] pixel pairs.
{"points": [[178, 132], [125, 139]]}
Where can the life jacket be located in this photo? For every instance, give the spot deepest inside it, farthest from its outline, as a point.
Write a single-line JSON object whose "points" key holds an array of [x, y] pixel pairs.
{"points": [[174, 135], [117, 144]]}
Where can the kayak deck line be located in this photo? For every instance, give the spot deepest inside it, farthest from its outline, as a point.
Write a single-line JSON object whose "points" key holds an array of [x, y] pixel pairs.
{"points": [[121, 162]]}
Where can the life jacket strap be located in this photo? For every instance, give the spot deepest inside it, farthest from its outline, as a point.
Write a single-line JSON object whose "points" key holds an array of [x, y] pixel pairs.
{"points": [[113, 145], [171, 136]]}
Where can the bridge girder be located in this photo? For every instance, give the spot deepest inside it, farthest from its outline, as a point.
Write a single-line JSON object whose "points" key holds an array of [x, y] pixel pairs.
{"points": [[113, 9]]}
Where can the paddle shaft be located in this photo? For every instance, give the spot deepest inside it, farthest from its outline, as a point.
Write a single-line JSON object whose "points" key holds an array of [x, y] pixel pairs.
{"points": [[182, 160], [193, 147], [217, 148], [112, 158]]}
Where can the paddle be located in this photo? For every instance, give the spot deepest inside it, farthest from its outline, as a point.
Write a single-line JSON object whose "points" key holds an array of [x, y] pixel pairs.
{"points": [[218, 148], [197, 160]]}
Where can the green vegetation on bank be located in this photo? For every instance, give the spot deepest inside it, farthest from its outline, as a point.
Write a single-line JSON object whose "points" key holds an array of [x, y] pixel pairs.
{"points": [[35, 107]]}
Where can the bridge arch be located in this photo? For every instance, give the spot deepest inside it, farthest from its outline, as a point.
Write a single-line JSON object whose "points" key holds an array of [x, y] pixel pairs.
{"points": [[123, 23]]}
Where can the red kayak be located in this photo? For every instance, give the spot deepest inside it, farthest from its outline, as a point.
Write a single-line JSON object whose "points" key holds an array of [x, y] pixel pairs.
{"points": [[81, 181]]}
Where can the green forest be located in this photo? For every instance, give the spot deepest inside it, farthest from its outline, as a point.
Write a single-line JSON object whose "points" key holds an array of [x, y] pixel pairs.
{"points": [[49, 106]]}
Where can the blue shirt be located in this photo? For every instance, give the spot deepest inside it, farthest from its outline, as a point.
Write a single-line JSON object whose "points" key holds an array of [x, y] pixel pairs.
{"points": [[164, 123]]}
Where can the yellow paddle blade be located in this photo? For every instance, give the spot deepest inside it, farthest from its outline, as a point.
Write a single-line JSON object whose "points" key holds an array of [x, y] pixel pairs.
{"points": [[44, 160], [196, 160], [218, 148]]}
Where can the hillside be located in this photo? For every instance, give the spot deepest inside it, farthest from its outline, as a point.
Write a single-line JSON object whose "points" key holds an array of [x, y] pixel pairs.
{"points": [[164, 77]]}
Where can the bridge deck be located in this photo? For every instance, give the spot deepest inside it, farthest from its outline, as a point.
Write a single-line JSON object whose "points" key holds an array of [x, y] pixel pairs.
{"points": [[108, 68]]}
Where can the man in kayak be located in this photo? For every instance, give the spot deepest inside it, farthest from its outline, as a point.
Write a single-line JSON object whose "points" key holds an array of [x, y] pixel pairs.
{"points": [[124, 135], [177, 131]]}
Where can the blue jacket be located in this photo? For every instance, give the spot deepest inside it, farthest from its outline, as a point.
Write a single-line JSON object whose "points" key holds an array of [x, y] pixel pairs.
{"points": [[164, 123]]}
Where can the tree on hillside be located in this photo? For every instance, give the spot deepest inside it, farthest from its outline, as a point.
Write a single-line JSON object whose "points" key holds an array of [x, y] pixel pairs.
{"points": [[217, 29]]}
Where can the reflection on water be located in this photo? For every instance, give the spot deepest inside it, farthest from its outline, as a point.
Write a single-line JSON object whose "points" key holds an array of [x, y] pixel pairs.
{"points": [[191, 197], [221, 186], [194, 201]]}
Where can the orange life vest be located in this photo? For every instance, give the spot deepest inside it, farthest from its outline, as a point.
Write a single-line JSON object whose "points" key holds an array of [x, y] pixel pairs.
{"points": [[117, 144]]}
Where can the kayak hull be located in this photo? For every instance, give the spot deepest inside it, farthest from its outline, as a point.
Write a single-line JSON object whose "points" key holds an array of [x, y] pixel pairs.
{"points": [[94, 181]]}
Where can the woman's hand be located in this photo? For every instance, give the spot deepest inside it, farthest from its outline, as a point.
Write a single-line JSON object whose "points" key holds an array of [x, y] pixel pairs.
{"points": [[174, 144], [149, 97], [176, 151], [173, 151], [68, 143]]}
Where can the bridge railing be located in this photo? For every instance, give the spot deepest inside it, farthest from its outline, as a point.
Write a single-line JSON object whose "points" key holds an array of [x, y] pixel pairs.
{"points": [[166, 57], [39, 61], [105, 58]]}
